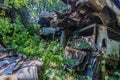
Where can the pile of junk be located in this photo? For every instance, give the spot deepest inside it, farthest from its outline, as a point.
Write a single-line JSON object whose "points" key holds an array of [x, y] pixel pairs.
{"points": [[90, 31]]}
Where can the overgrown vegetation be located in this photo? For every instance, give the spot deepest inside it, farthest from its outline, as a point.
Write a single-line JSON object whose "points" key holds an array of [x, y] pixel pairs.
{"points": [[24, 39], [17, 37]]}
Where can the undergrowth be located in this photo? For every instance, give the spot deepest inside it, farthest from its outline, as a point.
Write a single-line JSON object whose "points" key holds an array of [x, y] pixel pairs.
{"points": [[26, 41]]}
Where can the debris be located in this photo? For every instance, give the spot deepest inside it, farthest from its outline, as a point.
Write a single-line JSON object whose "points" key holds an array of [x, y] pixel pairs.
{"points": [[14, 66], [114, 5], [95, 4], [29, 71], [93, 42], [8, 77], [49, 26], [78, 49]]}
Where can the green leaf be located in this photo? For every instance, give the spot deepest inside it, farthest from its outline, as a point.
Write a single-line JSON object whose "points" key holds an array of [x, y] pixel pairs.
{"points": [[50, 1]]}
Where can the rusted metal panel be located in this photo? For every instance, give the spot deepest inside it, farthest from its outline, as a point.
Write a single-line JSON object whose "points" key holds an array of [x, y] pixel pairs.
{"points": [[113, 6], [111, 46], [95, 4]]}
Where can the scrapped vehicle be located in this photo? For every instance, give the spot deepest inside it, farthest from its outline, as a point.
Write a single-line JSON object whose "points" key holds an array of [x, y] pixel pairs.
{"points": [[94, 46], [106, 18], [49, 26], [95, 51]]}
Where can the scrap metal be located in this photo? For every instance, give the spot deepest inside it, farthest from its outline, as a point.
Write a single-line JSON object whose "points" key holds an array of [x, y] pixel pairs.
{"points": [[15, 66], [97, 22]]}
